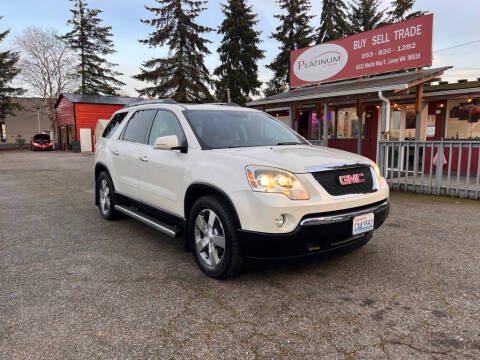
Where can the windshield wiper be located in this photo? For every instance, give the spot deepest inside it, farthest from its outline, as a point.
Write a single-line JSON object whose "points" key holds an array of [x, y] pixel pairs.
{"points": [[289, 143]]}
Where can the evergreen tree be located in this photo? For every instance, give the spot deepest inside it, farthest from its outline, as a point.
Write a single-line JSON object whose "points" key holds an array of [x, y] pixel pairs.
{"points": [[92, 42], [8, 72], [182, 75], [402, 10], [333, 24], [239, 53], [294, 32], [364, 15]]}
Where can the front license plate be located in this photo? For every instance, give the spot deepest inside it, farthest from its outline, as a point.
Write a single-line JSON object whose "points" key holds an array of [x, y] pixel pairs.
{"points": [[363, 223]]}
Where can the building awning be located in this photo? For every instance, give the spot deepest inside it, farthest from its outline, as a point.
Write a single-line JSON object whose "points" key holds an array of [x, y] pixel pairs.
{"points": [[354, 89]]}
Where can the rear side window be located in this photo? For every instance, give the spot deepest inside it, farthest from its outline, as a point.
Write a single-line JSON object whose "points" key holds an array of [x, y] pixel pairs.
{"points": [[113, 125], [166, 124], [138, 126]]}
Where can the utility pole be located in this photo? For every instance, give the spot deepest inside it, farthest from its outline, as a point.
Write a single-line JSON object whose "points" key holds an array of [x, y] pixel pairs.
{"points": [[228, 96], [38, 117]]}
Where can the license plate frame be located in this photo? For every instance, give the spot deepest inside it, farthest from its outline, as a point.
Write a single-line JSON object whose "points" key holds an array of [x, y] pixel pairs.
{"points": [[363, 223]]}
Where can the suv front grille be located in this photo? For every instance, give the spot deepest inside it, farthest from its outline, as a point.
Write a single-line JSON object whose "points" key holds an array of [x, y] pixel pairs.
{"points": [[330, 180]]}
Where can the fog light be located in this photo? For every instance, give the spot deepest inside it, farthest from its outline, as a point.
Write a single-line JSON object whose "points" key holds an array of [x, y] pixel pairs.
{"points": [[279, 221]]}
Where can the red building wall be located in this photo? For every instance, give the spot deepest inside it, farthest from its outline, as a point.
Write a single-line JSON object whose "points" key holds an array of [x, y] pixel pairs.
{"points": [[463, 168], [84, 116], [87, 115], [65, 113], [432, 110]]}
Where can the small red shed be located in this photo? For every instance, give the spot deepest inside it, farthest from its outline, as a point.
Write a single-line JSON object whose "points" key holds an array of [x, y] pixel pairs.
{"points": [[77, 116]]}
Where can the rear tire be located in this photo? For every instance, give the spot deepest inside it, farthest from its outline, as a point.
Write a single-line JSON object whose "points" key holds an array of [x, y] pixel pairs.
{"points": [[106, 196], [211, 232]]}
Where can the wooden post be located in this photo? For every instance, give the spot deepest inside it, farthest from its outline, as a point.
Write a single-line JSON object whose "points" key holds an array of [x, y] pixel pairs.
{"points": [[318, 113], [291, 115], [418, 111], [325, 125], [295, 117]]}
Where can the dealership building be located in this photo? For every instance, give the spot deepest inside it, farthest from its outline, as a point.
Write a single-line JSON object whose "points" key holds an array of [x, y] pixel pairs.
{"points": [[447, 110], [376, 94]]}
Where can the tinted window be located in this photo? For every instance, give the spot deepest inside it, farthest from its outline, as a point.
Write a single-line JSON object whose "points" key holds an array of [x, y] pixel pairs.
{"points": [[165, 124], [216, 129], [138, 126], [113, 125]]}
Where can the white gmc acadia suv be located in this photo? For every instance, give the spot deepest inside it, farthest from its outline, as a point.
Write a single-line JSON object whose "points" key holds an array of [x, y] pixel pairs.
{"points": [[237, 182]]}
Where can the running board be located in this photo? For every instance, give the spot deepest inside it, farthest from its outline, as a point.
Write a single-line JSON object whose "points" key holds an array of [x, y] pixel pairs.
{"points": [[147, 220]]}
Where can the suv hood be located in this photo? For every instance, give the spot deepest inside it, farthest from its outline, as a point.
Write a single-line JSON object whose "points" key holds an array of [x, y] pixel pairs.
{"points": [[294, 158]]}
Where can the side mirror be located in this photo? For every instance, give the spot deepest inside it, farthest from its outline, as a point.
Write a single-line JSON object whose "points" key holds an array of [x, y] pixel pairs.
{"points": [[166, 142]]}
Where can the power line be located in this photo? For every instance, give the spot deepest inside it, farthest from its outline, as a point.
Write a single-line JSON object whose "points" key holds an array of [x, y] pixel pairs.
{"points": [[456, 46]]}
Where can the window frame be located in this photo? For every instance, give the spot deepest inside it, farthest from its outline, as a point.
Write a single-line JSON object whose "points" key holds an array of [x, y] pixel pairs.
{"points": [[364, 125], [116, 114], [147, 134], [181, 145]]}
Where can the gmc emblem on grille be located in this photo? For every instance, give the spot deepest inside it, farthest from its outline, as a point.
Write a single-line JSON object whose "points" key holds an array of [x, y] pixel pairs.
{"points": [[351, 179]]}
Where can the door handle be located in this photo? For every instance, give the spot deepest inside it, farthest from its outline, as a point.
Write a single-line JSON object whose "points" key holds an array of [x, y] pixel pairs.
{"points": [[144, 158], [116, 152]]}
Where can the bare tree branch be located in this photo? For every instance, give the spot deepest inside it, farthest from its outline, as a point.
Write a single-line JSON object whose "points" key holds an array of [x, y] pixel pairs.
{"points": [[47, 66]]}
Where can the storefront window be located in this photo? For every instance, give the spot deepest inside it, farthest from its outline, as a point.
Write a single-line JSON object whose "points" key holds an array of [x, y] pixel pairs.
{"points": [[403, 119], [347, 124], [395, 124], [282, 116], [331, 124], [463, 119], [317, 126], [410, 122]]}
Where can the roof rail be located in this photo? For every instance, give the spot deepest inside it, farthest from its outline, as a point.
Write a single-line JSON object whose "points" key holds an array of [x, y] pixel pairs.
{"points": [[224, 104], [147, 102]]}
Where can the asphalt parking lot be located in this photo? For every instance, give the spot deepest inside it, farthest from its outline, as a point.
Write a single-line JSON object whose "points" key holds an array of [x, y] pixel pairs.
{"points": [[73, 285]]}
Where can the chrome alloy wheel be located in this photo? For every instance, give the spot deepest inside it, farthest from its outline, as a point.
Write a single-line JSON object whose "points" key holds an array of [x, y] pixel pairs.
{"points": [[104, 197], [209, 237]]}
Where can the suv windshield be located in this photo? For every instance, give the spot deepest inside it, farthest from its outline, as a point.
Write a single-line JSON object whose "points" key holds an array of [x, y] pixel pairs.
{"points": [[218, 129]]}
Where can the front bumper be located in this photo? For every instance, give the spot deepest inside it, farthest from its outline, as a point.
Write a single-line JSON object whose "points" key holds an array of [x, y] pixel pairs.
{"points": [[316, 233], [42, 147]]}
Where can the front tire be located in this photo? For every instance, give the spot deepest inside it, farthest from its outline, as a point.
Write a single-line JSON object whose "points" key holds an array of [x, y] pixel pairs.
{"points": [[106, 196], [211, 231]]}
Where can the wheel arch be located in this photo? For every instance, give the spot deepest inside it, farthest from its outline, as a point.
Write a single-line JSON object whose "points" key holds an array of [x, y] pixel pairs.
{"points": [[195, 191], [99, 167]]}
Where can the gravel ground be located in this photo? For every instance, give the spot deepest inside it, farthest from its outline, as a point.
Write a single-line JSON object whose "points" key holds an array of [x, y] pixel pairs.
{"points": [[73, 285]]}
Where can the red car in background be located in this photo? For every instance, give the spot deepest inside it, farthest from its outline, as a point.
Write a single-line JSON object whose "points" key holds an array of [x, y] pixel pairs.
{"points": [[41, 142]]}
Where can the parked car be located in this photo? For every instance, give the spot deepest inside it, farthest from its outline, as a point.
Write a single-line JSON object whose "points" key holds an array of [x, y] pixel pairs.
{"points": [[236, 182], [41, 142]]}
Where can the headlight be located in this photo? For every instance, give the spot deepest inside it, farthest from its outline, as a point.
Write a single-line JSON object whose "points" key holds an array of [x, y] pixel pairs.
{"points": [[377, 170], [266, 179]]}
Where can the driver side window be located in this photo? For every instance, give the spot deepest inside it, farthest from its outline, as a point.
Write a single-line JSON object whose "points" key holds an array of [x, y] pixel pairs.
{"points": [[165, 124]]}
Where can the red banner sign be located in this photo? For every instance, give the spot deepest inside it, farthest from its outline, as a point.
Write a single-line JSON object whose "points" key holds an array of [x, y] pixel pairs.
{"points": [[403, 45]]}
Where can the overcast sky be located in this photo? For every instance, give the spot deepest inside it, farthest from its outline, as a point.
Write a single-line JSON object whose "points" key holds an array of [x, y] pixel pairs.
{"points": [[453, 25]]}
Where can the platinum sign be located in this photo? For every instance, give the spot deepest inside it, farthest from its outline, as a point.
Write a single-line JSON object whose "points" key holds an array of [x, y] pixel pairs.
{"points": [[403, 45]]}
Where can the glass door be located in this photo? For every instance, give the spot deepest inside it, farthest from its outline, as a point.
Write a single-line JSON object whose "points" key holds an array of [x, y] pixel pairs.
{"points": [[395, 135], [395, 124]]}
